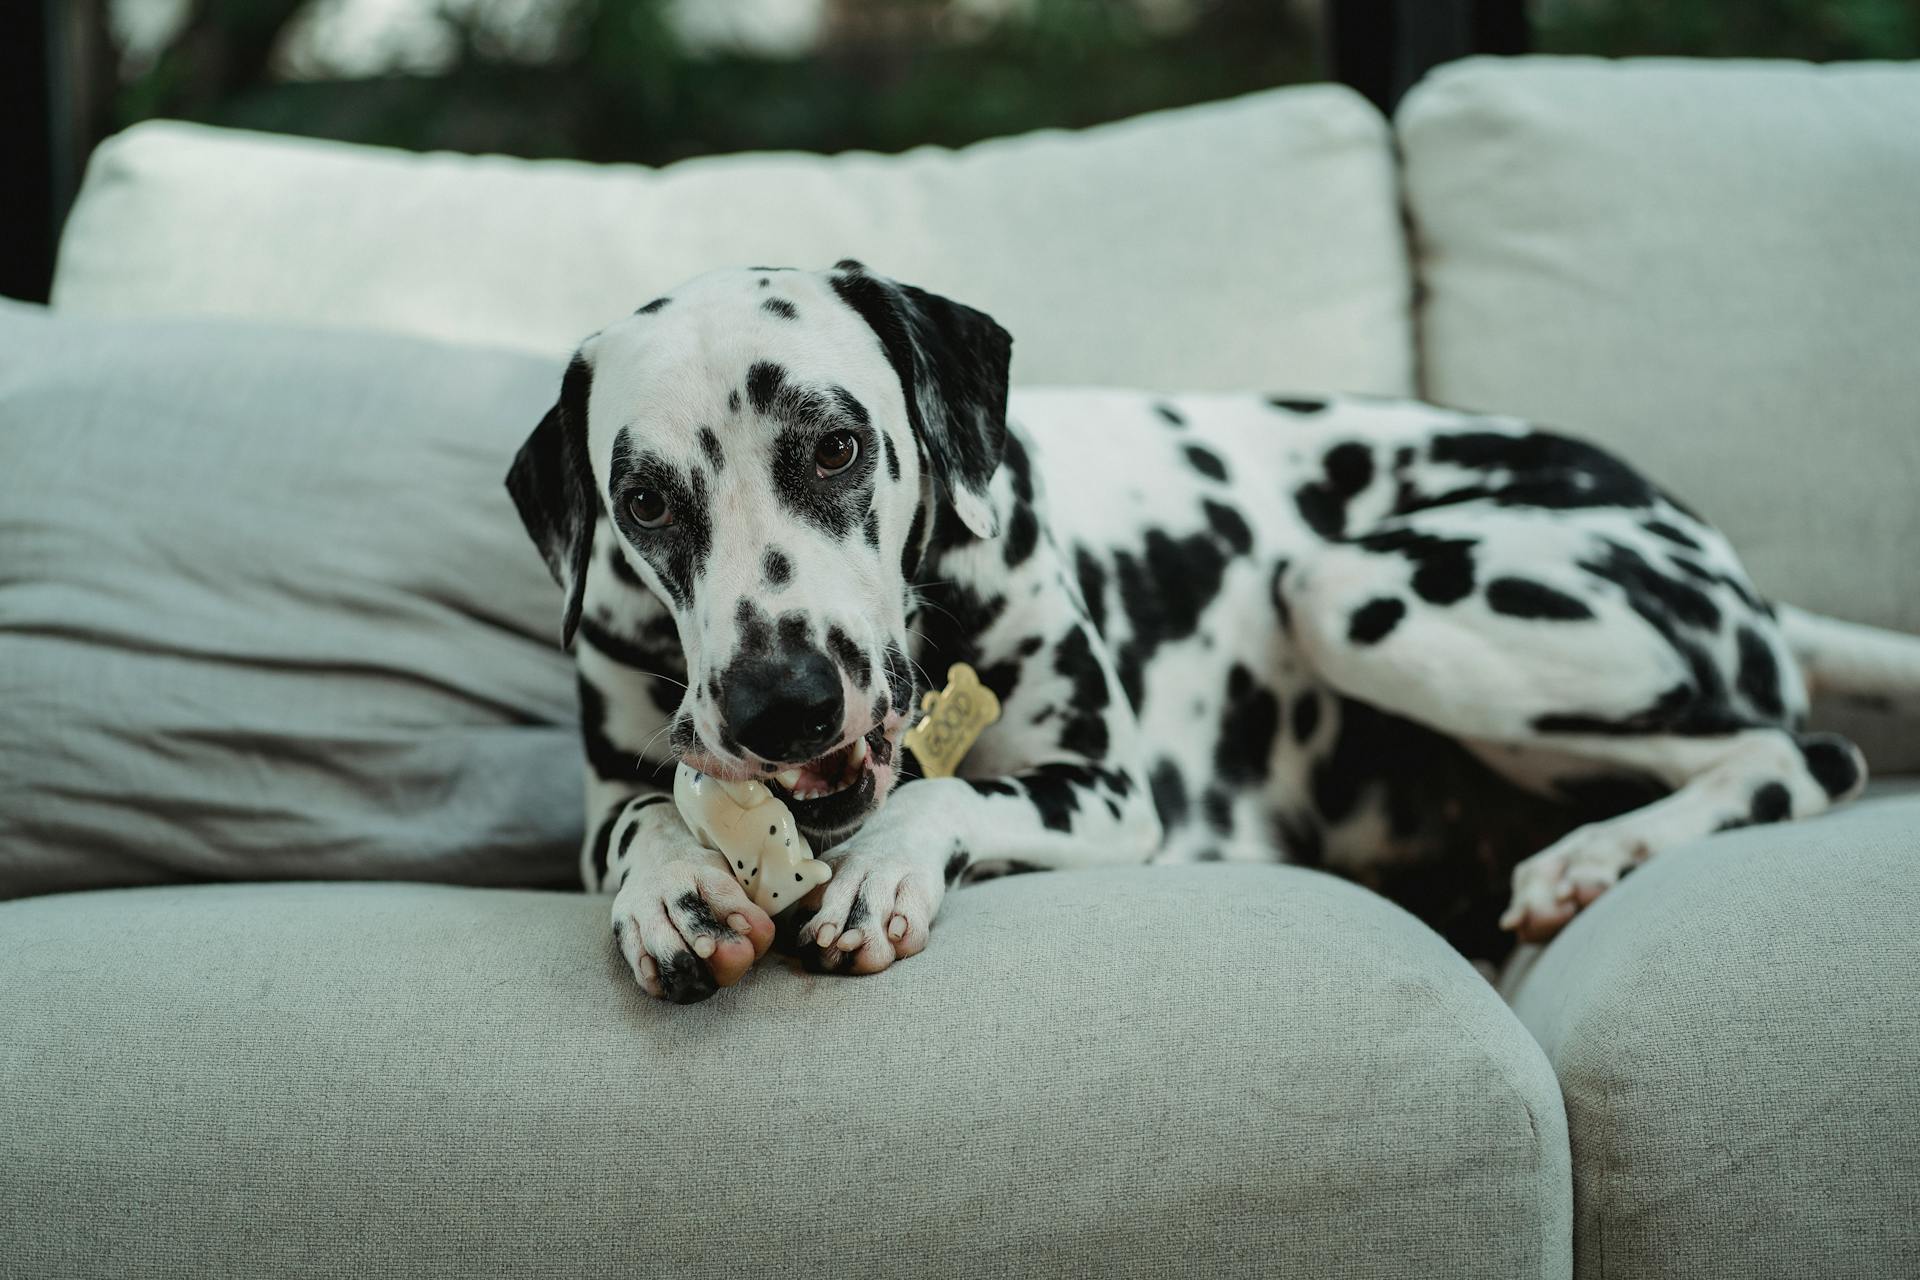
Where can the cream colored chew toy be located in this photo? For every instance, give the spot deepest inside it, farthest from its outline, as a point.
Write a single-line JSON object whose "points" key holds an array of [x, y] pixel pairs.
{"points": [[744, 821]]}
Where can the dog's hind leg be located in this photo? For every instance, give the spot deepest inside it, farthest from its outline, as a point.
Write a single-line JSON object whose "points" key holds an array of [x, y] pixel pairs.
{"points": [[1563, 644]]}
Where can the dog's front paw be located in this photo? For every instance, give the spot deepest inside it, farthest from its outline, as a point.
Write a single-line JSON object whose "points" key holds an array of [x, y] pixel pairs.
{"points": [[878, 908], [687, 929]]}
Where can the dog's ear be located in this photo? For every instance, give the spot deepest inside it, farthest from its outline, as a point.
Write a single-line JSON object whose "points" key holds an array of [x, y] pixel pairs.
{"points": [[552, 485], [952, 362]]}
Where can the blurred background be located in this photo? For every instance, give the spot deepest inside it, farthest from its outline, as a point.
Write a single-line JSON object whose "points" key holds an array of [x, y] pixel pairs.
{"points": [[652, 81], [659, 80]]}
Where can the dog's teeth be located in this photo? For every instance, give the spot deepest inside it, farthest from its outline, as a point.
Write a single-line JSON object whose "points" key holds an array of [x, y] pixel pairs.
{"points": [[788, 778], [859, 751]]}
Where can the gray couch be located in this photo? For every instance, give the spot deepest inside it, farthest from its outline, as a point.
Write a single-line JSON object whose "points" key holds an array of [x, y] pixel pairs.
{"points": [[339, 1070]]}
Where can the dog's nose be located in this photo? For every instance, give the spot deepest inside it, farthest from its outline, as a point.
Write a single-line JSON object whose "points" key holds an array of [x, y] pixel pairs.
{"points": [[787, 709]]}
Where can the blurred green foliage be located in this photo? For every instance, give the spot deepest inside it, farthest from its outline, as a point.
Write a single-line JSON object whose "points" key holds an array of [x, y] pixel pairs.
{"points": [[892, 73], [620, 87], [1822, 30]]}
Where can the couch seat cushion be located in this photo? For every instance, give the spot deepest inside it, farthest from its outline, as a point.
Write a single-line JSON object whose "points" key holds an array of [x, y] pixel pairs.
{"points": [[1204, 1071], [1736, 1028], [1249, 243]]}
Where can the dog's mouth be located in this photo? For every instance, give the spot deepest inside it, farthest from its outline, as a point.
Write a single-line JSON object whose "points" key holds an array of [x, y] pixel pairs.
{"points": [[840, 788]]}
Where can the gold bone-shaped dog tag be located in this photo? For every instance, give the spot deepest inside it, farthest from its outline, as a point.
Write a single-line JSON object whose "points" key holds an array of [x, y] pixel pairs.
{"points": [[956, 717]]}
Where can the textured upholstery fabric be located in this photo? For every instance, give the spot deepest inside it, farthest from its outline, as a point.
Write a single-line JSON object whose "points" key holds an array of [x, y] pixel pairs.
{"points": [[1711, 266], [1736, 1028], [1208, 1071], [1255, 243], [266, 610]]}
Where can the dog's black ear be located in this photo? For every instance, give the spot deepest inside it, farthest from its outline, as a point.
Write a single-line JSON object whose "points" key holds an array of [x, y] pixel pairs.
{"points": [[952, 362], [552, 485]]}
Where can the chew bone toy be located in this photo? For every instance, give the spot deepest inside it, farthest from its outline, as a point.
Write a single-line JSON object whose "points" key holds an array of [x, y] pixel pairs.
{"points": [[955, 716], [748, 825]]}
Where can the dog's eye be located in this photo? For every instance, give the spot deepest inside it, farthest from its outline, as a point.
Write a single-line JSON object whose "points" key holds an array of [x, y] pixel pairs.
{"points": [[649, 510], [835, 452]]}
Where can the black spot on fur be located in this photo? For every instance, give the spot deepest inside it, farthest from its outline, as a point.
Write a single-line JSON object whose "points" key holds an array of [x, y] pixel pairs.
{"points": [[1206, 462], [870, 527], [1771, 803], [622, 571], [652, 307], [858, 913], [1443, 567], [608, 762], [1524, 598], [1831, 761], [776, 568], [602, 837], [1084, 731], [1297, 404], [993, 786], [1164, 594], [915, 544], [1169, 793], [756, 628], [1217, 806], [678, 552], [1093, 587], [1249, 722], [1023, 530], [1306, 715], [951, 620], [1373, 620], [851, 657], [1230, 525], [1660, 599], [1171, 414], [1538, 469], [1019, 467], [780, 307], [1322, 503], [1672, 533], [765, 382], [956, 864], [710, 445], [893, 456], [654, 654], [1759, 677], [733, 402], [795, 632]]}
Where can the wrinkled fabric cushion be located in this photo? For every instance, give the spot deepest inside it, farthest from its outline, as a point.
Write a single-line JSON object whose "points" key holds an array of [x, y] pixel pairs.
{"points": [[1711, 266], [266, 611], [1736, 1027], [1214, 1071], [1249, 243]]}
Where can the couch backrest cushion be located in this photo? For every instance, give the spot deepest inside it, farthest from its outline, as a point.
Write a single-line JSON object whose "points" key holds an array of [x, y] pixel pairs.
{"points": [[266, 611], [1250, 243], [1712, 266]]}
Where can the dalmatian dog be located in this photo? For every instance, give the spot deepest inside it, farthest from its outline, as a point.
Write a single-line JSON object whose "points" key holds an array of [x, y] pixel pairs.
{"points": [[1450, 655]]}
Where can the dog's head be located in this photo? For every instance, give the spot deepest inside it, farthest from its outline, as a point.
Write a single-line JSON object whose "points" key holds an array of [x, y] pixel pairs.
{"points": [[771, 452]]}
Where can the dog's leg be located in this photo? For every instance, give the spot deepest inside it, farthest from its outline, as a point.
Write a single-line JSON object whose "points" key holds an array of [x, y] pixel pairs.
{"points": [[1573, 636], [889, 880], [681, 921], [1733, 780]]}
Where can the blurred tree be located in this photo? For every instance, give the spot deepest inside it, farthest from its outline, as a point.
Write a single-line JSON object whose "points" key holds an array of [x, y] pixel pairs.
{"points": [[1821, 30], [613, 80], [619, 85]]}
